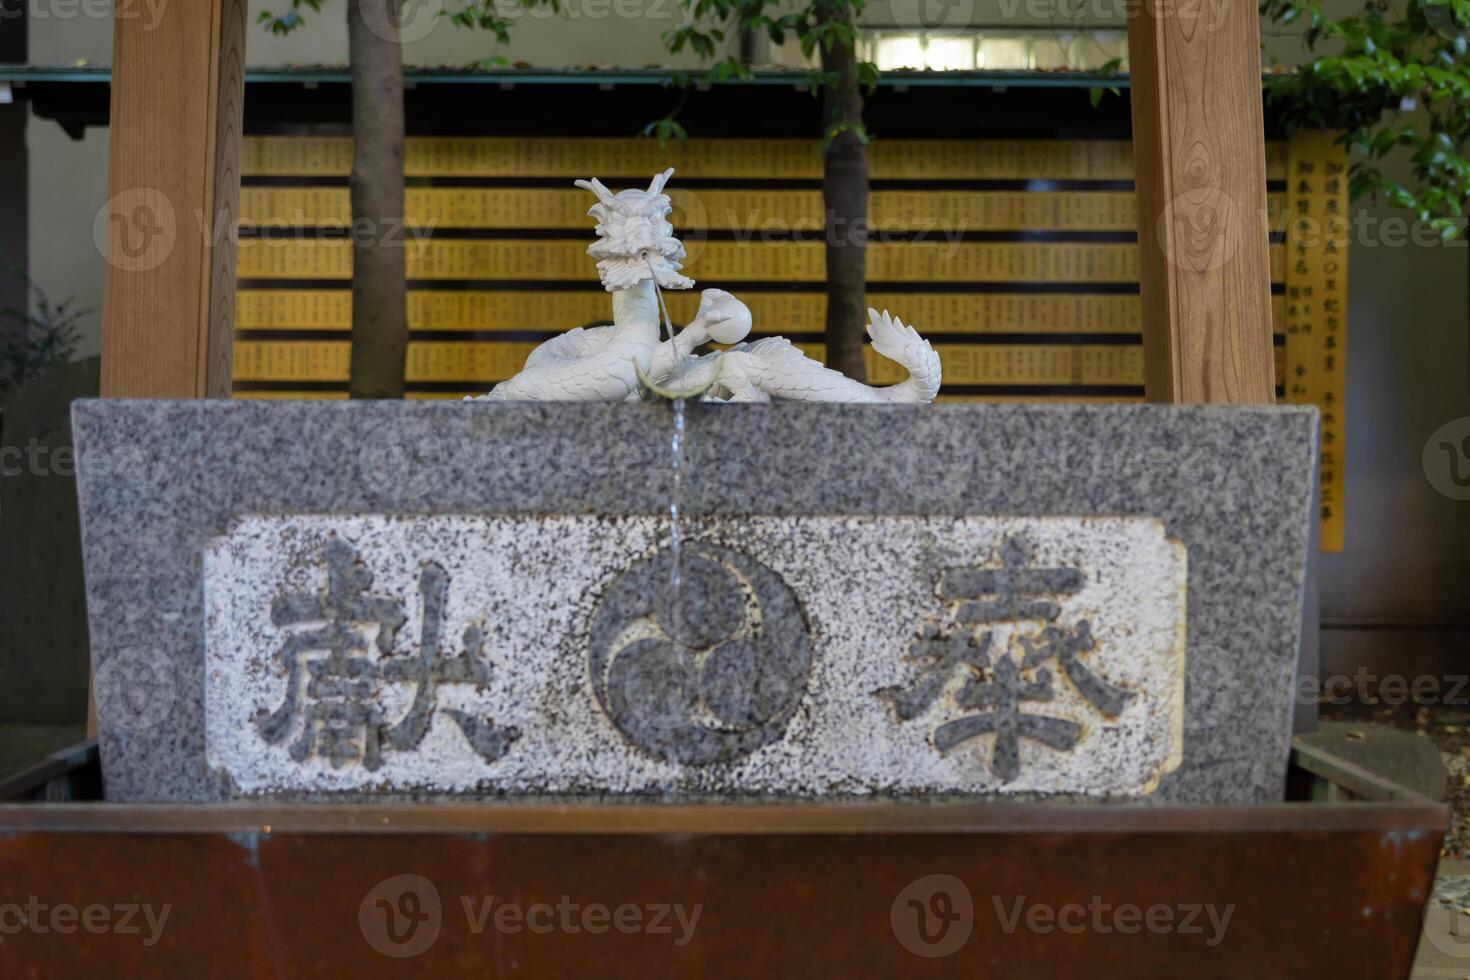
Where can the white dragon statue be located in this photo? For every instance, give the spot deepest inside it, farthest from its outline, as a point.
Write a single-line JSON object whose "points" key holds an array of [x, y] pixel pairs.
{"points": [[638, 256]]}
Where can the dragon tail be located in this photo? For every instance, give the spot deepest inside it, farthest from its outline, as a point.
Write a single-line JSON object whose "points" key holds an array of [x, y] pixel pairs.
{"points": [[903, 345]]}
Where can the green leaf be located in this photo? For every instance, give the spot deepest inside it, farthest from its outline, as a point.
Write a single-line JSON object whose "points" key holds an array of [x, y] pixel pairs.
{"points": [[665, 129]]}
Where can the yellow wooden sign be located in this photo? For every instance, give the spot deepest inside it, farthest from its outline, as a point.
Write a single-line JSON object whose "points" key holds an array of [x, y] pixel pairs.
{"points": [[1316, 306]]}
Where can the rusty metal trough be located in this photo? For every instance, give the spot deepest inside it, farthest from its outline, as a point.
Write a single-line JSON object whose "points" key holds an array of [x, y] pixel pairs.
{"points": [[1311, 889]]}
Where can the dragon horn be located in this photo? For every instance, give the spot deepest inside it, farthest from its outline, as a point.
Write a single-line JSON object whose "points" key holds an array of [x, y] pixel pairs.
{"points": [[660, 181], [596, 186]]}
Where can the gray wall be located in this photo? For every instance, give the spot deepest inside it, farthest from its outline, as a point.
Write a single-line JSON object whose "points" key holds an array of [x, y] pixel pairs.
{"points": [[14, 164], [68, 186], [14, 203], [1398, 598]]}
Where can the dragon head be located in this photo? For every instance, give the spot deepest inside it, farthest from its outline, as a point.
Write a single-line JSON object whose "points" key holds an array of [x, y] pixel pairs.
{"points": [[635, 239]]}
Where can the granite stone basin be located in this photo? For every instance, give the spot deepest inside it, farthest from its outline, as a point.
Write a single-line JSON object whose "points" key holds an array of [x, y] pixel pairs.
{"points": [[399, 601]]}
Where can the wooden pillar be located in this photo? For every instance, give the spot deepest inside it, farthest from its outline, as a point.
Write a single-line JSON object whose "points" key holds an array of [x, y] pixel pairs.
{"points": [[173, 194], [178, 91], [1199, 162]]}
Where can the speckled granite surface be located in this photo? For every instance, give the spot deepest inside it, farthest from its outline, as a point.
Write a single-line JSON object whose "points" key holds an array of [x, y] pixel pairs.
{"points": [[160, 481]]}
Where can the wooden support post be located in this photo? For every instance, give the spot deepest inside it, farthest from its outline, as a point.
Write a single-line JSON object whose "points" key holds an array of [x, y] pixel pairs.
{"points": [[173, 194], [178, 92], [1199, 164]]}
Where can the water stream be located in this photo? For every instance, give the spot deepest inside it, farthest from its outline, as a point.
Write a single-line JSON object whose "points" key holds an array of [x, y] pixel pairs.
{"points": [[663, 306], [678, 461], [676, 493]]}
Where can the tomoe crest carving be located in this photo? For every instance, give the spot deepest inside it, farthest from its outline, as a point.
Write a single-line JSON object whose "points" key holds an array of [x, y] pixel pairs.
{"points": [[731, 683]]}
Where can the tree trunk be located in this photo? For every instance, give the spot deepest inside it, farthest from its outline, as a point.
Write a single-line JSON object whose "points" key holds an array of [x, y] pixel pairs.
{"points": [[845, 195], [379, 276]]}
